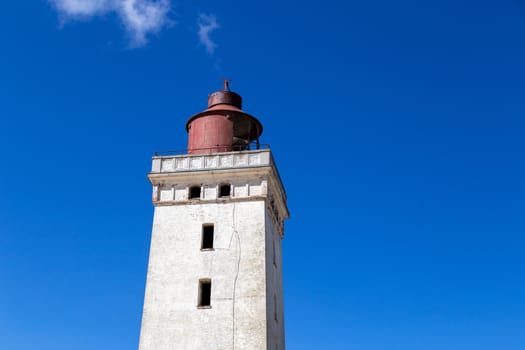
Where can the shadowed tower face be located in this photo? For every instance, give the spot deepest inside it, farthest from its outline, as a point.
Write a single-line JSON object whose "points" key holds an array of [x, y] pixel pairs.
{"points": [[215, 267]]}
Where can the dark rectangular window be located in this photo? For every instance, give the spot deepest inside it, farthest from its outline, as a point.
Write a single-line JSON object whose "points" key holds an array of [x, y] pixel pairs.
{"points": [[204, 293], [224, 190], [274, 258], [275, 307], [207, 237], [195, 192]]}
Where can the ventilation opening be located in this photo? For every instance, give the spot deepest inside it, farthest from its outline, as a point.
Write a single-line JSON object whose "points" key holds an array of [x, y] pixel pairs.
{"points": [[225, 190], [204, 293], [275, 308], [274, 258], [207, 237], [195, 192]]}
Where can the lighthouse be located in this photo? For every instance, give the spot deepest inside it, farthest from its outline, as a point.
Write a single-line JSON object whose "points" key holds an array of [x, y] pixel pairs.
{"points": [[214, 278]]}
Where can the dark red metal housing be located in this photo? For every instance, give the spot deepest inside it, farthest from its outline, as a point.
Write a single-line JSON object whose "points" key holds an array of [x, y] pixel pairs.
{"points": [[223, 127], [210, 133]]}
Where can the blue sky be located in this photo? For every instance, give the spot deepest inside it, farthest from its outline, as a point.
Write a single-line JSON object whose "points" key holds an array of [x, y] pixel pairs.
{"points": [[398, 128]]}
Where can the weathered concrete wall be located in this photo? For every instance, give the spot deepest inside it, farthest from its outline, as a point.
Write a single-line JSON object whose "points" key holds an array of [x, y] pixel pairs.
{"points": [[248, 224], [171, 318]]}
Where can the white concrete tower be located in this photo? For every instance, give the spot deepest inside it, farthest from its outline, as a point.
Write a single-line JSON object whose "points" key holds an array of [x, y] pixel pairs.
{"points": [[215, 267]]}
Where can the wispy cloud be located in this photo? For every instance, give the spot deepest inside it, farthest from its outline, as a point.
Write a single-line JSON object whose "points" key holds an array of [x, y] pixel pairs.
{"points": [[81, 8], [207, 24], [141, 18]]}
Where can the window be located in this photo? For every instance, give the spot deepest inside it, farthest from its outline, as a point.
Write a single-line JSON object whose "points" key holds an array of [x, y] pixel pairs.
{"points": [[274, 259], [204, 293], [275, 308], [195, 192], [224, 190], [207, 237]]}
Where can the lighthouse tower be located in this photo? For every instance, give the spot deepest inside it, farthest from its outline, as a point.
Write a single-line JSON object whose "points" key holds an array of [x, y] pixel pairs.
{"points": [[215, 267]]}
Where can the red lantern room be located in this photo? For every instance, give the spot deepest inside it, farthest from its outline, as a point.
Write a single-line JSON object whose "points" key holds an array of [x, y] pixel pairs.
{"points": [[224, 126]]}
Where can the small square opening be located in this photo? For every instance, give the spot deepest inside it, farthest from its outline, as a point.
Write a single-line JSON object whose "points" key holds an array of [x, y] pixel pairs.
{"points": [[225, 190], [207, 237], [195, 192], [204, 293]]}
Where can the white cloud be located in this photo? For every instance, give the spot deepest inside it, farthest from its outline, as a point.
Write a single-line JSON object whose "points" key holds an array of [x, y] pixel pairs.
{"points": [[207, 24], [140, 17], [81, 8]]}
